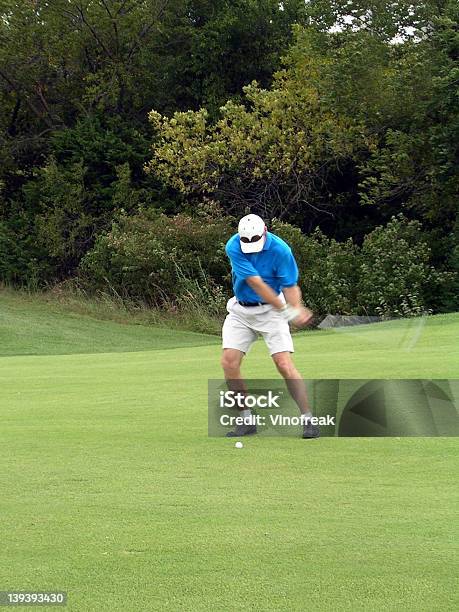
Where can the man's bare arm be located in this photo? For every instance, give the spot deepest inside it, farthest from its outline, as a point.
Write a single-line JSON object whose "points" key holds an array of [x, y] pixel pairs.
{"points": [[293, 297], [291, 294], [264, 291]]}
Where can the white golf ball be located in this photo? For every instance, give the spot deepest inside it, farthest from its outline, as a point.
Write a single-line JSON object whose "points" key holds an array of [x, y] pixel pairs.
{"points": [[239, 445]]}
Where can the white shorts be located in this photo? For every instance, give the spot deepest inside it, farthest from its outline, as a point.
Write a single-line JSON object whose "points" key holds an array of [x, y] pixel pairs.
{"points": [[244, 324]]}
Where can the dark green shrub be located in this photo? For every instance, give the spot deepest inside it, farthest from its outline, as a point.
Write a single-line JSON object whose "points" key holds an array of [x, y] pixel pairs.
{"points": [[328, 269], [11, 261], [389, 276], [22, 262], [395, 271], [180, 260], [152, 257]]}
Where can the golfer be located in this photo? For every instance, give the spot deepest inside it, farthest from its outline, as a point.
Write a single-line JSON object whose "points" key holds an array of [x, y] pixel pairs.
{"points": [[266, 298]]}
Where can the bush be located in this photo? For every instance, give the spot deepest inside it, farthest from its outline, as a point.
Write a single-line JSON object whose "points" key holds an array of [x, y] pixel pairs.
{"points": [[22, 261], [155, 258], [328, 269], [11, 263], [389, 276], [179, 263], [395, 274]]}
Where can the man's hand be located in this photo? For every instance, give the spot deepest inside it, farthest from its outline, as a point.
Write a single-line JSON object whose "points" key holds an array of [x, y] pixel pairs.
{"points": [[304, 318], [293, 311], [299, 315], [293, 298]]}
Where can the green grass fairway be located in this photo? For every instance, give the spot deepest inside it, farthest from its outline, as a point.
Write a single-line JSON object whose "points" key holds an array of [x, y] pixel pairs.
{"points": [[112, 491]]}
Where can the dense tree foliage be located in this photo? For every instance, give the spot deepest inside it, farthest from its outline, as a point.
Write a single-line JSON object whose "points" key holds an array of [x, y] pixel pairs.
{"points": [[337, 115], [350, 120]]}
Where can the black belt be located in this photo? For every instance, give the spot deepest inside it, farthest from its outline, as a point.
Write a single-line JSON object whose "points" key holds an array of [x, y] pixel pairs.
{"points": [[251, 304]]}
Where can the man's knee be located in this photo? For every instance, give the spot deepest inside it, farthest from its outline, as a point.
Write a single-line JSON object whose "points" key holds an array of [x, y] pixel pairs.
{"points": [[231, 360], [285, 365]]}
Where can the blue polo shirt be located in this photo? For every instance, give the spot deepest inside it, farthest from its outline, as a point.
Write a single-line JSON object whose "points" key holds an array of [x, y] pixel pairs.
{"points": [[275, 264]]}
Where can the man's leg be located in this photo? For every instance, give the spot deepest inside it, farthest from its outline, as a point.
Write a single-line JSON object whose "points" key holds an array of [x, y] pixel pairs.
{"points": [[297, 389], [237, 338], [295, 384], [231, 364]]}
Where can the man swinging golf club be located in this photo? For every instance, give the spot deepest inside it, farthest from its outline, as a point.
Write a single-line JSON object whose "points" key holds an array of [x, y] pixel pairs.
{"points": [[266, 298]]}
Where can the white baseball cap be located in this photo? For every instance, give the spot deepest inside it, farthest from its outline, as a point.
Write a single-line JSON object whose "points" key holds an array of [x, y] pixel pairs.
{"points": [[252, 233]]}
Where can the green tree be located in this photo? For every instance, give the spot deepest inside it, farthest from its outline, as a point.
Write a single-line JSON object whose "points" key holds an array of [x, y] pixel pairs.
{"points": [[275, 152], [356, 117]]}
